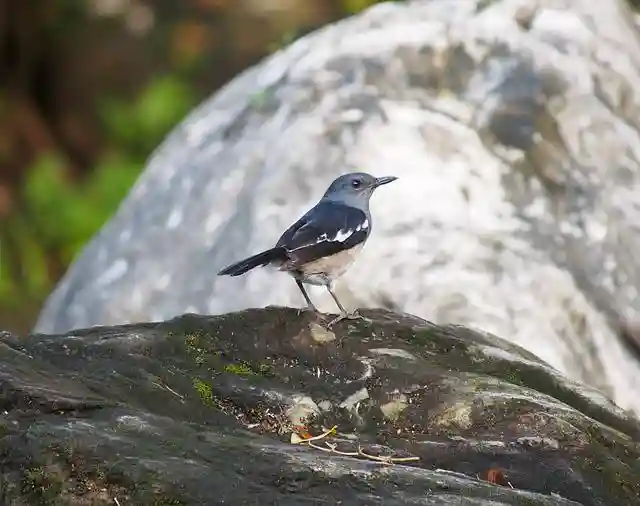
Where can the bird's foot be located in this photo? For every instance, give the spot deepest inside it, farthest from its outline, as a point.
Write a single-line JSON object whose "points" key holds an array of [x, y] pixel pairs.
{"points": [[354, 315], [303, 310]]}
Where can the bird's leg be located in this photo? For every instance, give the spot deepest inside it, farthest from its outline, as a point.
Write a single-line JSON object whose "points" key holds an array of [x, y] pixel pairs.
{"points": [[344, 314], [306, 297], [342, 309]]}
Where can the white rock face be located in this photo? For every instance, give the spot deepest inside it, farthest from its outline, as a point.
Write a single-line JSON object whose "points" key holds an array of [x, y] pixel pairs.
{"points": [[514, 127]]}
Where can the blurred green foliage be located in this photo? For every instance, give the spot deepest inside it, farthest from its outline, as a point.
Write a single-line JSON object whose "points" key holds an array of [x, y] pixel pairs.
{"points": [[135, 129], [355, 6], [55, 211], [58, 216]]}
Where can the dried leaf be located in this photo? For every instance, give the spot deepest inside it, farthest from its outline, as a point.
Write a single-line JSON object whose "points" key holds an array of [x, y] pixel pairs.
{"points": [[497, 477], [295, 439]]}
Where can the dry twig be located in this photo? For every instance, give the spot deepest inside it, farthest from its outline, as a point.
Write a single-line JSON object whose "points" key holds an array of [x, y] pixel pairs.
{"points": [[333, 448], [169, 389]]}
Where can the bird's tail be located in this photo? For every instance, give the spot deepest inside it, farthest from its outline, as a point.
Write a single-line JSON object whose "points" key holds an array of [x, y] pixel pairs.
{"points": [[261, 259]]}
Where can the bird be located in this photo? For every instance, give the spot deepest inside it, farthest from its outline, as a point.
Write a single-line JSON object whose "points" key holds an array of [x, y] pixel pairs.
{"points": [[322, 244]]}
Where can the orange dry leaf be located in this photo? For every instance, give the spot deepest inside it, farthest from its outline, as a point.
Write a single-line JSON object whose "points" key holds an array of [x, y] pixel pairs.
{"points": [[302, 431], [497, 477]]}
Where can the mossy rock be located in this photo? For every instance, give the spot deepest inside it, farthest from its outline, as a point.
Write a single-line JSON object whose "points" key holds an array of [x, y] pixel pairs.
{"points": [[201, 410]]}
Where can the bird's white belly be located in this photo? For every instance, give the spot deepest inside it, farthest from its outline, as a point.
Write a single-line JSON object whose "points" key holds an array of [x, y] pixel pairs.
{"points": [[324, 270]]}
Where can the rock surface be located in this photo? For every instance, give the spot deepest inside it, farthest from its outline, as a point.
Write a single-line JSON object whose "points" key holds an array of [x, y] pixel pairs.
{"points": [[514, 128], [201, 410]]}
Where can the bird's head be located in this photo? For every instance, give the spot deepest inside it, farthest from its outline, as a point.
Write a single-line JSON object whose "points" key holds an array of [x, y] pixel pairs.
{"points": [[355, 188]]}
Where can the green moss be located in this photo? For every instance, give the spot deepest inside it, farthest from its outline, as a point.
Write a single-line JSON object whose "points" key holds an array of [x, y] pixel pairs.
{"points": [[247, 369], [191, 342], [204, 390], [198, 345], [239, 369]]}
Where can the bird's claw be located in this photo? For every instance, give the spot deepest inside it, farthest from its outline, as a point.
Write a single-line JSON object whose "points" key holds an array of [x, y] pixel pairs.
{"points": [[354, 315]]}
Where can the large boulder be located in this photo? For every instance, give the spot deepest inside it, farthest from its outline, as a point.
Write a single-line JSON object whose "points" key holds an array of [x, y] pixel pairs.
{"points": [[206, 410], [514, 128]]}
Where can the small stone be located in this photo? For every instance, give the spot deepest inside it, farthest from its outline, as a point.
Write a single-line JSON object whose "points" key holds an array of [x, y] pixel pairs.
{"points": [[325, 405], [321, 334], [392, 410], [457, 415], [393, 353], [350, 402], [302, 409]]}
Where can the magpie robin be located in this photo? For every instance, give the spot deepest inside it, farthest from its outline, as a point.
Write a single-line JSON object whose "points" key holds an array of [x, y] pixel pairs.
{"points": [[322, 244]]}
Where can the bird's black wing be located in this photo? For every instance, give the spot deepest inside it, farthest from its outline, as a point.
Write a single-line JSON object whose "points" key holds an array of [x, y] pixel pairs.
{"points": [[325, 230]]}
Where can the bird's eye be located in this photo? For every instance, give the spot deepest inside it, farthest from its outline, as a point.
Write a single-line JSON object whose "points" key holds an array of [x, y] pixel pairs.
{"points": [[355, 183]]}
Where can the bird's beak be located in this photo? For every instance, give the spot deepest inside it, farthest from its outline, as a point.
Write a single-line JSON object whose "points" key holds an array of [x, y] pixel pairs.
{"points": [[384, 180]]}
